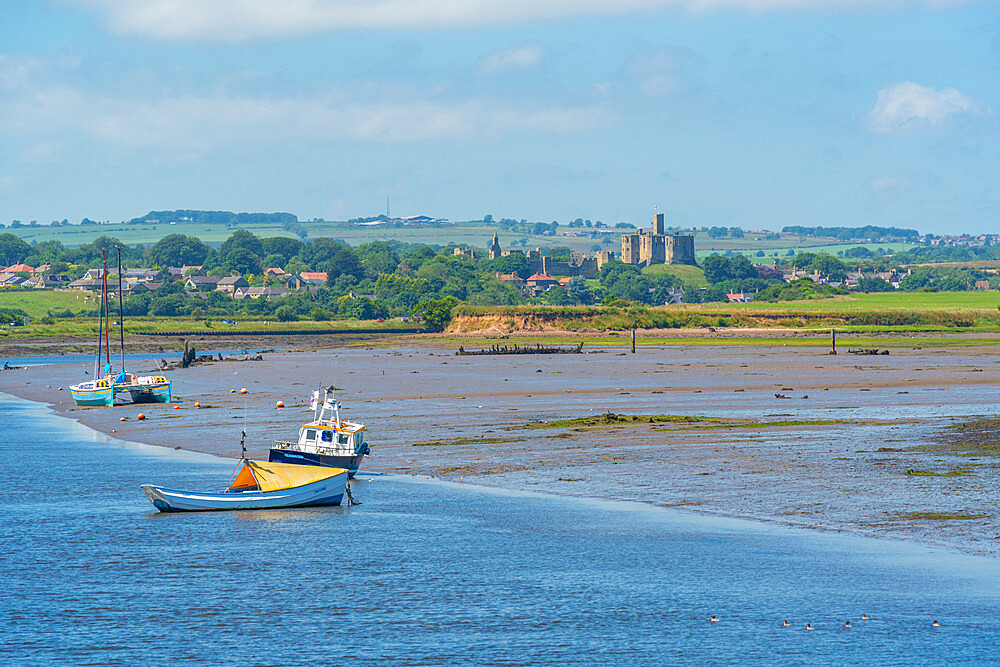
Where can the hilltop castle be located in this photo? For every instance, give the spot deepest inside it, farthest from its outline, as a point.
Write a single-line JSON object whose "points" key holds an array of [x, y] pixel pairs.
{"points": [[656, 247]]}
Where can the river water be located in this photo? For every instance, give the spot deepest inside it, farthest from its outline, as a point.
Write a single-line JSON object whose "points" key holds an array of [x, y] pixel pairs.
{"points": [[430, 573]]}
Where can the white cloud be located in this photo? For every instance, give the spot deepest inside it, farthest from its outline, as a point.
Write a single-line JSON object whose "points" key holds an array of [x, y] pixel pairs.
{"points": [[15, 72], [237, 20], [518, 57], [905, 107], [198, 124]]}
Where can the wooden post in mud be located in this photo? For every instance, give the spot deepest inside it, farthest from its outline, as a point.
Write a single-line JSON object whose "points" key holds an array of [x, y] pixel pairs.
{"points": [[833, 341], [633, 341]]}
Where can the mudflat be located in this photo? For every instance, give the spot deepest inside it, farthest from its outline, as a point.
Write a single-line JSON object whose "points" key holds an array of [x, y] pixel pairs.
{"points": [[865, 444]]}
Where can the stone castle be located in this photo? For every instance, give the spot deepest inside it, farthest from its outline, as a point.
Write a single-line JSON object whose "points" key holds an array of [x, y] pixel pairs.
{"points": [[643, 247], [657, 247]]}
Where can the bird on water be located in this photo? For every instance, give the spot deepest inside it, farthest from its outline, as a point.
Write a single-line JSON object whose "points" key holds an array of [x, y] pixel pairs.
{"points": [[713, 619], [935, 624]]}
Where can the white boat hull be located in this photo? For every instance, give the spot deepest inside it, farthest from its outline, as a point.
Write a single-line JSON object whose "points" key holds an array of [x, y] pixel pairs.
{"points": [[328, 491]]}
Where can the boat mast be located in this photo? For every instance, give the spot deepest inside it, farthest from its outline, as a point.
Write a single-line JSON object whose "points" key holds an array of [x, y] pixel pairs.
{"points": [[121, 308], [100, 339], [107, 340]]}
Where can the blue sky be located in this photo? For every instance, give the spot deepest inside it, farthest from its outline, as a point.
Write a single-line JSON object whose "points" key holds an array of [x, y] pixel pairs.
{"points": [[757, 113]]}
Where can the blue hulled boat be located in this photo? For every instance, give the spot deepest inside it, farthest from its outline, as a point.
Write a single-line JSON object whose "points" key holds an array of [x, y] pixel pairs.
{"points": [[328, 440], [93, 392], [102, 390]]}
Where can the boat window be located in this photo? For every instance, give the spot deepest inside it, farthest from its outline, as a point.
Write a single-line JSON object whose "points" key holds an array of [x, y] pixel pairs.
{"points": [[341, 439], [310, 434], [327, 436]]}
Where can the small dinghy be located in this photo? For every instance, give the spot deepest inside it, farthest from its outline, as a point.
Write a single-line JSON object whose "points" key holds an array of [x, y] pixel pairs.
{"points": [[259, 485]]}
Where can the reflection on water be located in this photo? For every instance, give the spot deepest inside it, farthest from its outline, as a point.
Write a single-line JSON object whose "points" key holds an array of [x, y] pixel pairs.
{"points": [[428, 573]]}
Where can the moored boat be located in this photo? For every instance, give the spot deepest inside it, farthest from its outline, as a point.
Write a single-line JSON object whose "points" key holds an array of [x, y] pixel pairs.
{"points": [[259, 485], [146, 388], [102, 391], [93, 392], [328, 440]]}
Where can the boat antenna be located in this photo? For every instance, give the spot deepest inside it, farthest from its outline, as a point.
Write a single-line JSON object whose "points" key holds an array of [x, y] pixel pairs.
{"points": [[121, 307], [107, 340], [243, 444]]}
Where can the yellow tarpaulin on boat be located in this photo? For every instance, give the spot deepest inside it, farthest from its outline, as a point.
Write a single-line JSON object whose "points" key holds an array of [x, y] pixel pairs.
{"points": [[277, 476]]}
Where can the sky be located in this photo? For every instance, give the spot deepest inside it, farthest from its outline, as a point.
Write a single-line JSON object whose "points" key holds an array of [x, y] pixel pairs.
{"points": [[750, 113]]}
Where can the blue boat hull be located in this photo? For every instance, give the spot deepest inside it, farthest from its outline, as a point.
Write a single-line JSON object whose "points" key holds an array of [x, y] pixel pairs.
{"points": [[154, 393], [103, 396], [351, 463]]}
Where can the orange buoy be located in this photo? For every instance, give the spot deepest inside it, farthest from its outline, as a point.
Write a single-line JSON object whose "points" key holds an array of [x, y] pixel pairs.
{"points": [[140, 416], [244, 390], [121, 419], [232, 391], [60, 388], [197, 404], [279, 404], [177, 407]]}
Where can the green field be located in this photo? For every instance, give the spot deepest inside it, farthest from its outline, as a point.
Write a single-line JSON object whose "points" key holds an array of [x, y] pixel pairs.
{"points": [[475, 234], [38, 303], [882, 301], [780, 252], [693, 276], [86, 328]]}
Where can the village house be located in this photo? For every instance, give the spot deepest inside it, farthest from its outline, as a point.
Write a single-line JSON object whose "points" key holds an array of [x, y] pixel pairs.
{"points": [[541, 281], [511, 279], [173, 273], [307, 279], [739, 297], [20, 267], [142, 275], [277, 272], [86, 284], [230, 284], [48, 282], [272, 291], [202, 283], [140, 288]]}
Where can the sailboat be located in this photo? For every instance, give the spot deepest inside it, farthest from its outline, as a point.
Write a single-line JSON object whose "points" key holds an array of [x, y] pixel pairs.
{"points": [[102, 390], [142, 388]]}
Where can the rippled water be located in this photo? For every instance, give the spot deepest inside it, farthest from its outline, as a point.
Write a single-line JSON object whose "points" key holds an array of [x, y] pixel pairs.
{"points": [[428, 573]]}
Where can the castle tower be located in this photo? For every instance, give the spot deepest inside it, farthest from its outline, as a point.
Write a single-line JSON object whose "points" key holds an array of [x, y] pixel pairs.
{"points": [[658, 227], [494, 249]]}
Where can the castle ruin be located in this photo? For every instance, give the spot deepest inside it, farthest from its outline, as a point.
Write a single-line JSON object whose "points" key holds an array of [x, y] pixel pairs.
{"points": [[657, 247], [579, 264]]}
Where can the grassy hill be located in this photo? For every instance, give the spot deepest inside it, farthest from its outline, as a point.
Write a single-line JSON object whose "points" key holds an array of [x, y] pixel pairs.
{"points": [[693, 276]]}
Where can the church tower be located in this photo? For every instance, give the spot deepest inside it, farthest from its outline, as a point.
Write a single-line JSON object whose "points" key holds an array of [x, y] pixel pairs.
{"points": [[494, 249]]}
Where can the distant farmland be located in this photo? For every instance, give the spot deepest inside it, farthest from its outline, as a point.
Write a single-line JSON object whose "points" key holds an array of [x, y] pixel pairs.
{"points": [[475, 234]]}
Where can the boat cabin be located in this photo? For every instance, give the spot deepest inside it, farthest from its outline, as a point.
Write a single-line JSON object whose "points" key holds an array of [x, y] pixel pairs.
{"points": [[324, 436]]}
